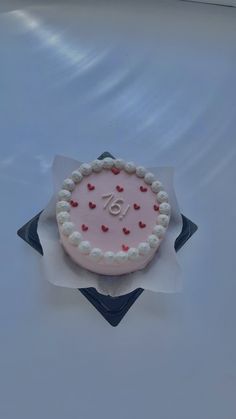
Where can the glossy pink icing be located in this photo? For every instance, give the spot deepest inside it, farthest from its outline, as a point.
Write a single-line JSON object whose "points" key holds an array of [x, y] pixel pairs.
{"points": [[105, 183]]}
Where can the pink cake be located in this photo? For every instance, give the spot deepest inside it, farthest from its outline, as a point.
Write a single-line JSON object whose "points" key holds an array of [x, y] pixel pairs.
{"points": [[112, 216]]}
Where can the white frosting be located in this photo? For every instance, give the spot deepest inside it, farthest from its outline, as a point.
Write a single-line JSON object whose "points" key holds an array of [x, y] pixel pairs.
{"points": [[162, 196], [164, 208], [68, 184], [64, 195], [156, 186], [163, 220], [130, 167], [133, 253], [153, 241], [85, 247], [85, 169], [149, 178], [115, 207], [108, 163], [77, 176], [121, 257], [63, 216], [109, 257], [141, 171], [143, 248], [96, 254], [75, 238], [119, 163], [159, 231], [97, 165], [67, 228], [62, 206]]}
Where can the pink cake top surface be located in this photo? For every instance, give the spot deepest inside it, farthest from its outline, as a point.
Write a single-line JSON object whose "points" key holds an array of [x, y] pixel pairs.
{"points": [[112, 219], [113, 211]]}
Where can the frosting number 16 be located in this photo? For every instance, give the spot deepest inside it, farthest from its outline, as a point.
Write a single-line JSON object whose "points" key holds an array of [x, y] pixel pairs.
{"points": [[114, 205]]}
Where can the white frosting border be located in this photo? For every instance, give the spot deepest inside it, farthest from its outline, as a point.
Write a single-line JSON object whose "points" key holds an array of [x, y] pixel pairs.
{"points": [[84, 246]]}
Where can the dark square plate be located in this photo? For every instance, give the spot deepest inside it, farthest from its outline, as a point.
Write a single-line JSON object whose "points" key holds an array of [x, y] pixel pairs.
{"points": [[113, 309]]}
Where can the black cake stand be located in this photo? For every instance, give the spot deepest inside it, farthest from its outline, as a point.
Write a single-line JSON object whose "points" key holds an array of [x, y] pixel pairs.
{"points": [[113, 309]]}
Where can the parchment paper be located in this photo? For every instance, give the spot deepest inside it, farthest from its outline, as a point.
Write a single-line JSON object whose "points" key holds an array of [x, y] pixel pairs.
{"points": [[161, 275]]}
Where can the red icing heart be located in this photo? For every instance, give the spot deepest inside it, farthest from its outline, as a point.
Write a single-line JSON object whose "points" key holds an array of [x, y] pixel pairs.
{"points": [[90, 187], [104, 228], [156, 207], [74, 203], [115, 171], [141, 224], [92, 205], [84, 227], [125, 247], [136, 206], [119, 188], [126, 231], [143, 189]]}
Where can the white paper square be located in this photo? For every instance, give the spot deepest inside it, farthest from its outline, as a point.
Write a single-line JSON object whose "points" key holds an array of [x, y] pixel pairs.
{"points": [[161, 275]]}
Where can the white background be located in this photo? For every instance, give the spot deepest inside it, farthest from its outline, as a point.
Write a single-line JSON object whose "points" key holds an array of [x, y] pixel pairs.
{"points": [[220, 2], [155, 84]]}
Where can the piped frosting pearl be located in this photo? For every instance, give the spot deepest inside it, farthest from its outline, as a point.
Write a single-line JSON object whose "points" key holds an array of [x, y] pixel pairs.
{"points": [[143, 248], [68, 184], [77, 176], [85, 247], [121, 257], [133, 253], [119, 163], [149, 178], [85, 169], [130, 167], [141, 171], [64, 195], [96, 254], [164, 208], [108, 163], [159, 231], [109, 257], [75, 238], [162, 196], [67, 228], [156, 186], [153, 241], [97, 165], [62, 206], [163, 220], [62, 217]]}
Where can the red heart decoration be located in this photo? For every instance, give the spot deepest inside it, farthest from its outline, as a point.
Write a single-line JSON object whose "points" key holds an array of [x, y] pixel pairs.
{"points": [[141, 224], [119, 188], [156, 207], [126, 231], [74, 203], [136, 206], [115, 171], [84, 227], [90, 187], [104, 228], [125, 247], [92, 205], [143, 188]]}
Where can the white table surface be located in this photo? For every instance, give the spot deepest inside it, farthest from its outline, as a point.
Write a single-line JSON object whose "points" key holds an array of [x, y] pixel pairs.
{"points": [[216, 2], [155, 84]]}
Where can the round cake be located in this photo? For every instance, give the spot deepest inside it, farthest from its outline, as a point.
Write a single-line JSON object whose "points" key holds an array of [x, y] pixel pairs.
{"points": [[112, 216]]}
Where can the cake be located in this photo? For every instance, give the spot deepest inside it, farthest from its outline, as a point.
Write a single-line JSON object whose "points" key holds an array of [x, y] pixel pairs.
{"points": [[112, 216]]}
